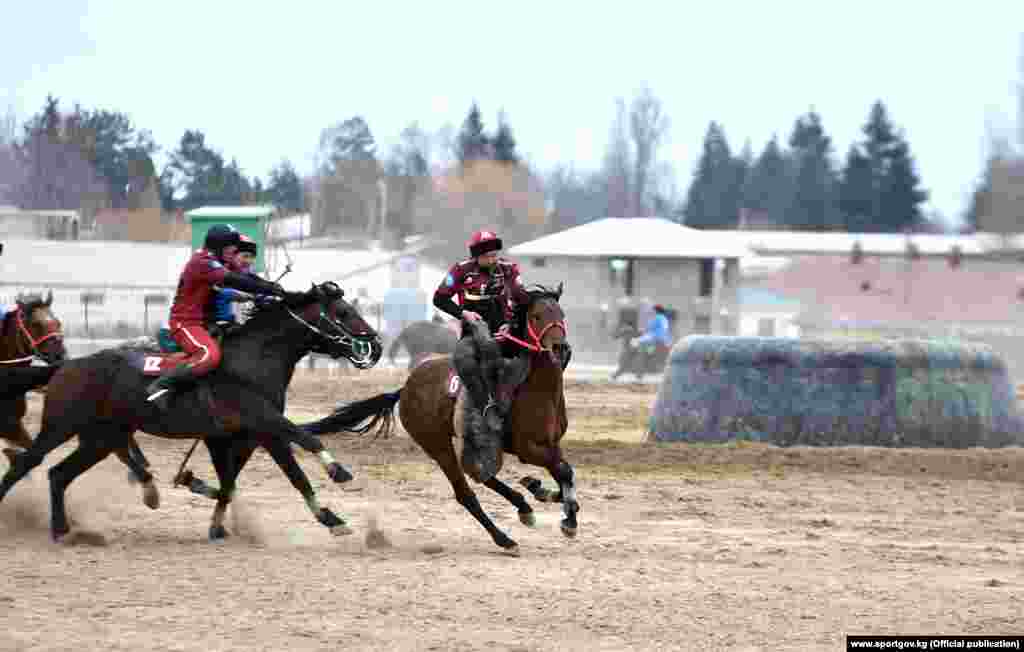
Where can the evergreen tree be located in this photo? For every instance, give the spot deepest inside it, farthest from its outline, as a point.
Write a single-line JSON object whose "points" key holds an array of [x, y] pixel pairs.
{"points": [[767, 192], [711, 201], [473, 143], [856, 191], [284, 189], [895, 184], [814, 191], [505, 143]]}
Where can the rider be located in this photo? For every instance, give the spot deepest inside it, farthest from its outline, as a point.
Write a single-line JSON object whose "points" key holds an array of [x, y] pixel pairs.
{"points": [[187, 322], [658, 333], [223, 313], [488, 287]]}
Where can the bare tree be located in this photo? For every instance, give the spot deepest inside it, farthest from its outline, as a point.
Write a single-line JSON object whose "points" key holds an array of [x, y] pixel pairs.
{"points": [[648, 128], [11, 174], [617, 170]]}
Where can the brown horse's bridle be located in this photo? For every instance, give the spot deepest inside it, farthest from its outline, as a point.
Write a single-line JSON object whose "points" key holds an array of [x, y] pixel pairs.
{"points": [[33, 342], [536, 345]]}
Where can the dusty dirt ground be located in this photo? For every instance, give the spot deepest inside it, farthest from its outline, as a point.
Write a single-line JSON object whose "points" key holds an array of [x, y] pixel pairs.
{"points": [[681, 547]]}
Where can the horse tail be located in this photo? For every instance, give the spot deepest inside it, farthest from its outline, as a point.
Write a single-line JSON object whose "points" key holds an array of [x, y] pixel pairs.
{"points": [[380, 410]]}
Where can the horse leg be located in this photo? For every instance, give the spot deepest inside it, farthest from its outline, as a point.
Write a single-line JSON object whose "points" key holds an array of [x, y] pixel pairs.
{"points": [[282, 454], [526, 516], [89, 452], [562, 472], [335, 470], [449, 463], [221, 454], [24, 461], [139, 472]]}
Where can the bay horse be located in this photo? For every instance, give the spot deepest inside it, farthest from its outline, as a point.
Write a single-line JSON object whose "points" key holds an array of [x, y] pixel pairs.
{"points": [[31, 333], [422, 338], [102, 399], [536, 421]]}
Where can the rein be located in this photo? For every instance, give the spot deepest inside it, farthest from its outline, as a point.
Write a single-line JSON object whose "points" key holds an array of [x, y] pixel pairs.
{"points": [[33, 341], [534, 346], [343, 337]]}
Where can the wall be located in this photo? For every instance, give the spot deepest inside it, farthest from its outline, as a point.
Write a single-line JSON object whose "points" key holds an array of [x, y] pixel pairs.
{"points": [[836, 392]]}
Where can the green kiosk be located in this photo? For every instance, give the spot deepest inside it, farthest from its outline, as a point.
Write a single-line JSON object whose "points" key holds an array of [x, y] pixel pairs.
{"points": [[250, 220]]}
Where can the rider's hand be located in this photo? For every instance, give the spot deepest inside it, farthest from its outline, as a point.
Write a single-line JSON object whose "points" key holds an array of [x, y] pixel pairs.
{"points": [[634, 342], [503, 330], [469, 315]]}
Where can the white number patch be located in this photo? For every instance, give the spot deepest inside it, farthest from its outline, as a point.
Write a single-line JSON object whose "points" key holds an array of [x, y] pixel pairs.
{"points": [[453, 385], [151, 364]]}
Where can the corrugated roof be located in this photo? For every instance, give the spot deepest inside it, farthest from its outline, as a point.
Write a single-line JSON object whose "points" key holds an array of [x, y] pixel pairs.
{"points": [[231, 211], [641, 237]]}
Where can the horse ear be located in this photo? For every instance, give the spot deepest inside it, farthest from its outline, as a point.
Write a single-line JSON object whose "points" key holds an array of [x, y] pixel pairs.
{"points": [[558, 292], [49, 298]]}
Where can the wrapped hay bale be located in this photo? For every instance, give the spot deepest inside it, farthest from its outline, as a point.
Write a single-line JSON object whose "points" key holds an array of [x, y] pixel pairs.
{"points": [[927, 393]]}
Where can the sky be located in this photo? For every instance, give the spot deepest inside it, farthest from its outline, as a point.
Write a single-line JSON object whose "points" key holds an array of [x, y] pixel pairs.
{"points": [[262, 81]]}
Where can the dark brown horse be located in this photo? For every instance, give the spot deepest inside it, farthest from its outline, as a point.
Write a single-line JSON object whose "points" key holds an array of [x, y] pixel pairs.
{"points": [[101, 399], [536, 422], [29, 332], [32, 332]]}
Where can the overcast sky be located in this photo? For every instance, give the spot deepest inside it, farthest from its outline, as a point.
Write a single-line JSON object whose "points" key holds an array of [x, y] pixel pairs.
{"points": [[262, 79]]}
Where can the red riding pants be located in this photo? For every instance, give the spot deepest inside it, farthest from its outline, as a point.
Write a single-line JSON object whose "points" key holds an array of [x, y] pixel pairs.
{"points": [[203, 351]]}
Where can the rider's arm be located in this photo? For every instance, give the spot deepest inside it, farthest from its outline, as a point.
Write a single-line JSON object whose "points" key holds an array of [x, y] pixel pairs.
{"points": [[444, 295], [251, 284]]}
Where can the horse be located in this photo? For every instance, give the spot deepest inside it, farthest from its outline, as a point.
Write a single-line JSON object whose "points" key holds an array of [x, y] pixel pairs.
{"points": [[536, 422], [32, 332], [636, 360], [422, 338], [102, 398], [29, 332]]}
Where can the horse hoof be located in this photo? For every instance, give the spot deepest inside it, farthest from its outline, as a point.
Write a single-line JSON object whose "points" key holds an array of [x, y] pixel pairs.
{"points": [[341, 530], [338, 473], [80, 538], [512, 551], [218, 533], [569, 531], [529, 519], [151, 497]]}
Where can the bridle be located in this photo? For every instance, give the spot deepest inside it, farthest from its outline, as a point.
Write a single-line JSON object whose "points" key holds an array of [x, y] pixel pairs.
{"points": [[535, 344], [362, 351], [33, 342]]}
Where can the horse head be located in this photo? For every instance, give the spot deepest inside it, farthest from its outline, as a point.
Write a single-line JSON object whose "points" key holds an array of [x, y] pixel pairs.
{"points": [[40, 333], [541, 323], [339, 328]]}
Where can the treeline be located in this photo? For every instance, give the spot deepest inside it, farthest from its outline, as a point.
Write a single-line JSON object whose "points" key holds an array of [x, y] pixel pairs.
{"points": [[447, 181]]}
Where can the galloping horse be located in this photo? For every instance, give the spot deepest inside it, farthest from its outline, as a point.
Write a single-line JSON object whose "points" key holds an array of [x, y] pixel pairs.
{"points": [[422, 338], [29, 332], [102, 399], [536, 423]]}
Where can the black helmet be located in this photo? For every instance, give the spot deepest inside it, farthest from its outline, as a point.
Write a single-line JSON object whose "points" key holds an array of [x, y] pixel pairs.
{"points": [[220, 236], [247, 245]]}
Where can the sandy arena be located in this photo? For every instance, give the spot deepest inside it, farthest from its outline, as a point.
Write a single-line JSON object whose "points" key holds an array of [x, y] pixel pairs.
{"points": [[681, 547]]}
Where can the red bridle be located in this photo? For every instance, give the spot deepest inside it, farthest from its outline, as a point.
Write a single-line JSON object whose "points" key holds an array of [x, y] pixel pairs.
{"points": [[34, 342], [536, 345]]}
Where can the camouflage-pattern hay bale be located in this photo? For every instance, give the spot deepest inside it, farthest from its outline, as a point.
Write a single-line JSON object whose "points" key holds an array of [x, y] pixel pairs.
{"points": [[926, 393]]}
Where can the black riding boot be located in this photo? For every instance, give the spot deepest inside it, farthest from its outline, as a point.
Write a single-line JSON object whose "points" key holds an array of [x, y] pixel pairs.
{"points": [[161, 390], [481, 444]]}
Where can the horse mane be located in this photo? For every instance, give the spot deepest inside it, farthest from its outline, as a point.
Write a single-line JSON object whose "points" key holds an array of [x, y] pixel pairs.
{"points": [[536, 293]]}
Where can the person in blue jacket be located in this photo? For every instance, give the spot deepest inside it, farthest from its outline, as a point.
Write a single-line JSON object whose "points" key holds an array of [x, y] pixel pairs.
{"points": [[223, 298], [658, 332]]}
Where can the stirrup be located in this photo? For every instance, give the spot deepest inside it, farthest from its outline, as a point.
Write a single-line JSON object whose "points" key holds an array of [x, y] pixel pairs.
{"points": [[157, 394], [491, 403]]}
